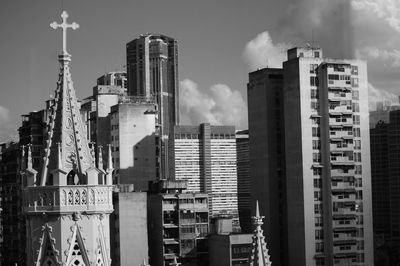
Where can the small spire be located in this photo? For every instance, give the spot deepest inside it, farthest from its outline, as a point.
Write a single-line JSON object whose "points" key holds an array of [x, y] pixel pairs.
{"points": [[259, 252], [23, 163], [29, 166], [59, 153], [110, 163], [100, 162]]}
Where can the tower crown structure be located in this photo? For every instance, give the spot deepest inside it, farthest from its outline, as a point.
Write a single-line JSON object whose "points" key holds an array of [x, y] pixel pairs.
{"points": [[259, 252], [68, 207]]}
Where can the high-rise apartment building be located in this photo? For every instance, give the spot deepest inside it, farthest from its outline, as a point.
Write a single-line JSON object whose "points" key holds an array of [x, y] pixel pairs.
{"points": [[178, 224], [152, 72], [205, 157], [327, 178]]}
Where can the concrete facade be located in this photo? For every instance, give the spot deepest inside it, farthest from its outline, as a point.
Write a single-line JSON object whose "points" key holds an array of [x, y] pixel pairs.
{"points": [[327, 175], [128, 227], [133, 139], [327, 137], [179, 225], [230, 249]]}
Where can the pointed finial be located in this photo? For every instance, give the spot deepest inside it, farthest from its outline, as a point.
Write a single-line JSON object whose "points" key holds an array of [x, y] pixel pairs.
{"points": [[29, 166], [257, 210], [23, 164], [100, 162], [110, 163], [59, 156]]}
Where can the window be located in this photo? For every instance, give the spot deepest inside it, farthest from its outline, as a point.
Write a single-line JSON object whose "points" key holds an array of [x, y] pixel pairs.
{"points": [[319, 234], [319, 247], [358, 170], [314, 81], [356, 132], [314, 94], [357, 157], [356, 119], [316, 157], [316, 54], [317, 171], [317, 196], [316, 144], [357, 144], [314, 106], [354, 82], [313, 68], [356, 108], [315, 132], [318, 221], [317, 183], [355, 95], [354, 70]]}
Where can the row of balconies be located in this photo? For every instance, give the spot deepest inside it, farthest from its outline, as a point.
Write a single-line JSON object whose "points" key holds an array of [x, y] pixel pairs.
{"points": [[341, 146], [341, 133], [339, 95]]}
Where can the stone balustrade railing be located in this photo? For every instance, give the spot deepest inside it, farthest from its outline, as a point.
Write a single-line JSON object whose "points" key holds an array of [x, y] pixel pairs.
{"points": [[70, 198]]}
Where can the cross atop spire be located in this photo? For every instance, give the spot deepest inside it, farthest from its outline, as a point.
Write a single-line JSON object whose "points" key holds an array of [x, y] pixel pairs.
{"points": [[64, 25]]}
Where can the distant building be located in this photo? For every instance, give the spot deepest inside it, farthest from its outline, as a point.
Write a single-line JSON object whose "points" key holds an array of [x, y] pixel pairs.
{"points": [[244, 179], [205, 157], [326, 184], [117, 79], [178, 224], [152, 72], [133, 140], [267, 156], [128, 227], [230, 249], [381, 113], [385, 153], [13, 246]]}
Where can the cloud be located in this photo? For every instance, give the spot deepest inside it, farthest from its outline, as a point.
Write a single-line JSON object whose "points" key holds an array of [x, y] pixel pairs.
{"points": [[389, 58], [219, 105], [378, 95], [387, 10], [262, 52], [7, 133]]}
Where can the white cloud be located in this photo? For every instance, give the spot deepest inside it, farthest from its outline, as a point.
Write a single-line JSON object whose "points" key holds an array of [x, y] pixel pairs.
{"points": [[378, 95], [390, 58], [262, 52], [219, 105], [388, 10]]}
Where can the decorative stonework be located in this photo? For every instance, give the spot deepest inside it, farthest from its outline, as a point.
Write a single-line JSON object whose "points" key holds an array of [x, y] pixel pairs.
{"points": [[47, 252]]}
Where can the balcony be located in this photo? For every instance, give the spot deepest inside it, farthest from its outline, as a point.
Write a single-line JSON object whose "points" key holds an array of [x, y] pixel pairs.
{"points": [[344, 212], [344, 225], [346, 197], [338, 96], [342, 172], [345, 134], [338, 187], [77, 198], [344, 247]]}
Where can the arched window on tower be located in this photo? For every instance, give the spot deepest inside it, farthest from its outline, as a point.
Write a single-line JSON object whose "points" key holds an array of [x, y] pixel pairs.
{"points": [[70, 178]]}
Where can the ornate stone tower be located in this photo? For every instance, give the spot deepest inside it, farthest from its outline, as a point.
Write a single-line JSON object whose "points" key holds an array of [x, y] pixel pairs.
{"points": [[67, 207], [259, 252]]}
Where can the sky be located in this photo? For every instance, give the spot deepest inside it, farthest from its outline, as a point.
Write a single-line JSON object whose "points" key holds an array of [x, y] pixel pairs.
{"points": [[220, 42]]}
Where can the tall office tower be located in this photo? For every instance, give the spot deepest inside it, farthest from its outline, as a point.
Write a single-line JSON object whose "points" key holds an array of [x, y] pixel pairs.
{"points": [[380, 179], [386, 189], [205, 157], [13, 247], [267, 156], [244, 180], [327, 160], [152, 72], [67, 206]]}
